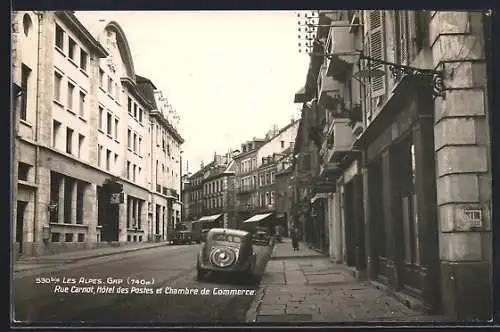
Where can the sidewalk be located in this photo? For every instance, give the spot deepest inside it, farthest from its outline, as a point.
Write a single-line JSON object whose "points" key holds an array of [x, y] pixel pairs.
{"points": [[316, 290], [30, 263], [285, 250]]}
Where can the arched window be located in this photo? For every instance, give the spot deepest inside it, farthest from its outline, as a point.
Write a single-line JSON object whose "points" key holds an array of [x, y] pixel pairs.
{"points": [[27, 24]]}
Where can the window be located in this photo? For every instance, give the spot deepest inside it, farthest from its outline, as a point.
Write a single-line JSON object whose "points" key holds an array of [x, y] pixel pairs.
{"points": [[101, 115], [116, 160], [25, 75], [128, 170], [117, 92], [99, 155], [57, 86], [59, 37], [27, 24], [135, 111], [110, 85], [82, 103], [116, 129], [80, 192], [23, 171], [71, 91], [377, 48], [83, 60], [81, 141], [109, 124], [68, 237], [71, 49], [135, 143], [101, 78], [129, 105], [69, 140], [139, 147], [134, 172], [140, 115], [129, 138], [81, 237], [108, 159]]}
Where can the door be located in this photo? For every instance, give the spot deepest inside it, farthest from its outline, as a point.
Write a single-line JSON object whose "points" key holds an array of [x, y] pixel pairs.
{"points": [[409, 259], [377, 220], [349, 226], [21, 209]]}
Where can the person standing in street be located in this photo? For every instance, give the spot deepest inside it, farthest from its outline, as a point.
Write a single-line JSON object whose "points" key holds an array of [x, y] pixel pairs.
{"points": [[295, 238]]}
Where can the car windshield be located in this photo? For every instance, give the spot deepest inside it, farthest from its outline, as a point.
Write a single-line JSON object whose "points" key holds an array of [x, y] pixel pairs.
{"points": [[226, 238]]}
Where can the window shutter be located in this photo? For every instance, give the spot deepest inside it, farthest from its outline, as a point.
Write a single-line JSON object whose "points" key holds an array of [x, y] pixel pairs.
{"points": [[377, 48], [403, 28]]}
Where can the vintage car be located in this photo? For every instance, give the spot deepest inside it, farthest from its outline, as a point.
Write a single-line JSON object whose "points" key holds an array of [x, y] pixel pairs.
{"points": [[227, 251], [261, 238]]}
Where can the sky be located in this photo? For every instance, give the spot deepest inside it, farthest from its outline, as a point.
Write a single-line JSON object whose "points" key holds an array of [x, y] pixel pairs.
{"points": [[230, 75]]}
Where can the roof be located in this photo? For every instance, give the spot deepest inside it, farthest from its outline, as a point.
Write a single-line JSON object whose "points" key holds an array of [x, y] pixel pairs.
{"points": [[230, 231], [210, 218], [77, 27], [146, 87], [258, 217]]}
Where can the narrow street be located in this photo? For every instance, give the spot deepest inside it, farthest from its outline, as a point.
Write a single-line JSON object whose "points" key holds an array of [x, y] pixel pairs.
{"points": [[167, 266]]}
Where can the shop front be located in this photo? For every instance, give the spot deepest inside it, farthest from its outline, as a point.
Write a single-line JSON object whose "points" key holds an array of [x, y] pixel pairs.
{"points": [[400, 194]]}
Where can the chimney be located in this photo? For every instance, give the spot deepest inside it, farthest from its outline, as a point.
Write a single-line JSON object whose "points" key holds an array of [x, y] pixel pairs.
{"points": [[202, 165]]}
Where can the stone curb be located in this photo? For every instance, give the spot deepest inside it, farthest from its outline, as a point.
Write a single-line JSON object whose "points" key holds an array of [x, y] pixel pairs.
{"points": [[251, 316], [295, 257], [74, 260]]}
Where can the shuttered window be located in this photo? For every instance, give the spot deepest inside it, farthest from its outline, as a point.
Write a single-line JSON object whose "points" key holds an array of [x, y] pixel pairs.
{"points": [[376, 44]]}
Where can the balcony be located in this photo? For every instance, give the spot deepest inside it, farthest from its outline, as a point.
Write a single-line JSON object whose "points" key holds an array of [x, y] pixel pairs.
{"points": [[329, 90], [339, 140], [356, 120], [344, 46], [170, 193]]}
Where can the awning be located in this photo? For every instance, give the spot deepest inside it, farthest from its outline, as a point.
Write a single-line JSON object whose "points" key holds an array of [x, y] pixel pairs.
{"points": [[258, 217], [210, 218], [318, 196]]}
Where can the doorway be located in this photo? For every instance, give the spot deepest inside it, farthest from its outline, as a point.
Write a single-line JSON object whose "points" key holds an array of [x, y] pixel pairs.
{"points": [[107, 216], [21, 209], [377, 220]]}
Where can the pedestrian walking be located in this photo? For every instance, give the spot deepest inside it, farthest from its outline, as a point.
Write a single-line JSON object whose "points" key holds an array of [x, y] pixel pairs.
{"points": [[295, 238]]}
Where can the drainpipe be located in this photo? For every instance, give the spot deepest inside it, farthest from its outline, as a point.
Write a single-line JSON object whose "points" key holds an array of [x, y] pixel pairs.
{"points": [[37, 124]]}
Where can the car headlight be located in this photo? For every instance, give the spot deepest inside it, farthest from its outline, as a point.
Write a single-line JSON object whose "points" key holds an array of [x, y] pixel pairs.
{"points": [[223, 257]]}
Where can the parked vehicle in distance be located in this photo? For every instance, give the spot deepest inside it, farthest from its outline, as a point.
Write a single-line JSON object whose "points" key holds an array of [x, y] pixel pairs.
{"points": [[227, 251], [261, 238], [199, 227], [182, 234]]}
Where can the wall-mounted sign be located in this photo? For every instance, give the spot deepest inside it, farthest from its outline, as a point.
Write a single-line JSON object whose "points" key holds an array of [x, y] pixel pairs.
{"points": [[116, 198], [473, 217]]}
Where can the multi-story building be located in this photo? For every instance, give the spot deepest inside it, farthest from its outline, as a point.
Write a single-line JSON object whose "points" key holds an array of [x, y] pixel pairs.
{"points": [[163, 163], [218, 189], [406, 203], [194, 188], [284, 189], [246, 166], [82, 134], [211, 191]]}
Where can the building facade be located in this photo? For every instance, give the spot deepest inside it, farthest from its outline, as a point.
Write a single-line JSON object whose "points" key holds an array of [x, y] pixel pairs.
{"points": [[405, 206], [211, 191], [284, 189], [163, 163], [82, 135], [247, 196]]}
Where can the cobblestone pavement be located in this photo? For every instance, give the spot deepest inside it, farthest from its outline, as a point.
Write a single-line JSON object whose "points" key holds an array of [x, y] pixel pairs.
{"points": [[313, 289]]}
